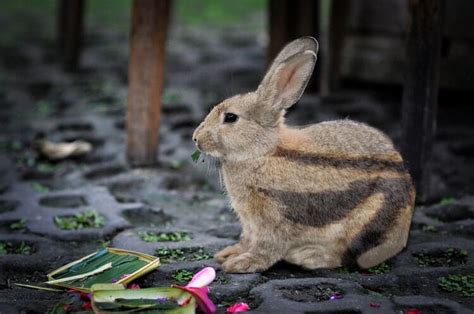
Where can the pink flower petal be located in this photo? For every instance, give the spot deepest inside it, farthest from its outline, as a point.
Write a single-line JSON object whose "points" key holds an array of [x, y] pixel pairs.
{"points": [[198, 288], [238, 307], [414, 311], [202, 299], [202, 278], [134, 286]]}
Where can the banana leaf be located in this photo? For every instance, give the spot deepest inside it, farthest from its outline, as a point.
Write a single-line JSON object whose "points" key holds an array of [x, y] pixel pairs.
{"points": [[148, 300], [40, 286], [103, 267]]}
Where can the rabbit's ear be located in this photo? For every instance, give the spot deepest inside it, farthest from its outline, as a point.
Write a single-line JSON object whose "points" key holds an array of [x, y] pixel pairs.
{"points": [[285, 86], [295, 47]]}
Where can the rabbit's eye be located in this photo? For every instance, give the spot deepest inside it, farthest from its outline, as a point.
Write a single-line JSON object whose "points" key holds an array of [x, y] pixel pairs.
{"points": [[230, 117]]}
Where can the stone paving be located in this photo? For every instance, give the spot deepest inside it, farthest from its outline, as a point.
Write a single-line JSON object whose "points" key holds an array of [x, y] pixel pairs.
{"points": [[185, 200]]}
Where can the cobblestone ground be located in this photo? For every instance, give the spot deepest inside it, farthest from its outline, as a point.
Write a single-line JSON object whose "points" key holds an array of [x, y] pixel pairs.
{"points": [[38, 99]]}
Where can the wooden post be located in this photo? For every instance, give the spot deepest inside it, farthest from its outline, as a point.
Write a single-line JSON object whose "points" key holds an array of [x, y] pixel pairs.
{"points": [[420, 95], [277, 27], [290, 19], [146, 76], [69, 31]]}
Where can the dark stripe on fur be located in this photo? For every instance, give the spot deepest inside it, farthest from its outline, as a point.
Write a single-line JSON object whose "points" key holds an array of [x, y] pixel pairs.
{"points": [[320, 208], [398, 195], [366, 163]]}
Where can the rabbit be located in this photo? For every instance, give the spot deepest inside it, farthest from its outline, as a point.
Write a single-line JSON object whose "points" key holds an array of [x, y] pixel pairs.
{"points": [[326, 195]]}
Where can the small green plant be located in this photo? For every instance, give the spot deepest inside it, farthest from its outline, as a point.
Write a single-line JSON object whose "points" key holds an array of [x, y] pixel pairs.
{"points": [[24, 249], [99, 88], [44, 108], [200, 254], [177, 164], [87, 219], [449, 257], [223, 279], [104, 243], [9, 248], [343, 270], [19, 225], [29, 160], [380, 269], [3, 248], [429, 228], [40, 188], [168, 255], [182, 275], [170, 97], [99, 106], [47, 167], [195, 156], [26, 159], [447, 201], [148, 236], [459, 284], [10, 145]]}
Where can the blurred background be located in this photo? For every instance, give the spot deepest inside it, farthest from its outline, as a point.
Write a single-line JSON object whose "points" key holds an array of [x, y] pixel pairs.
{"points": [[215, 49], [65, 78]]}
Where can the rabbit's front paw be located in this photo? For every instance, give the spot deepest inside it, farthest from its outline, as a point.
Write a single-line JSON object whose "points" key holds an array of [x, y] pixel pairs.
{"points": [[228, 252], [245, 263]]}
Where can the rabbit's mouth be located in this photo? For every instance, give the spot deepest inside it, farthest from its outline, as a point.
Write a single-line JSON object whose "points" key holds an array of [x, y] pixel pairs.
{"points": [[208, 148], [212, 153]]}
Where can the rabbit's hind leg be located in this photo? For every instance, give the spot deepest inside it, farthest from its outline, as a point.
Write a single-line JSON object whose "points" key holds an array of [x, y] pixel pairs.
{"points": [[395, 241], [311, 256]]}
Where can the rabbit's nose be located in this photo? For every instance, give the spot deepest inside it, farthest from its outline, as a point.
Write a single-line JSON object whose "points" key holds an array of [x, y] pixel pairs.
{"points": [[195, 134]]}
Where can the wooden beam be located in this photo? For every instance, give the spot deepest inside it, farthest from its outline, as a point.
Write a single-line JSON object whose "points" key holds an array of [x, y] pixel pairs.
{"points": [[69, 31], [146, 75], [420, 95], [277, 27], [337, 32], [290, 19]]}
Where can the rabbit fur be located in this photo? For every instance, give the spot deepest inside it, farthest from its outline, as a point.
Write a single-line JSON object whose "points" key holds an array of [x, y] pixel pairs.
{"points": [[329, 194]]}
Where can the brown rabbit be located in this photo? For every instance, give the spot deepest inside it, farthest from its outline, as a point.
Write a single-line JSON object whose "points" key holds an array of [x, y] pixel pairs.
{"points": [[330, 194]]}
